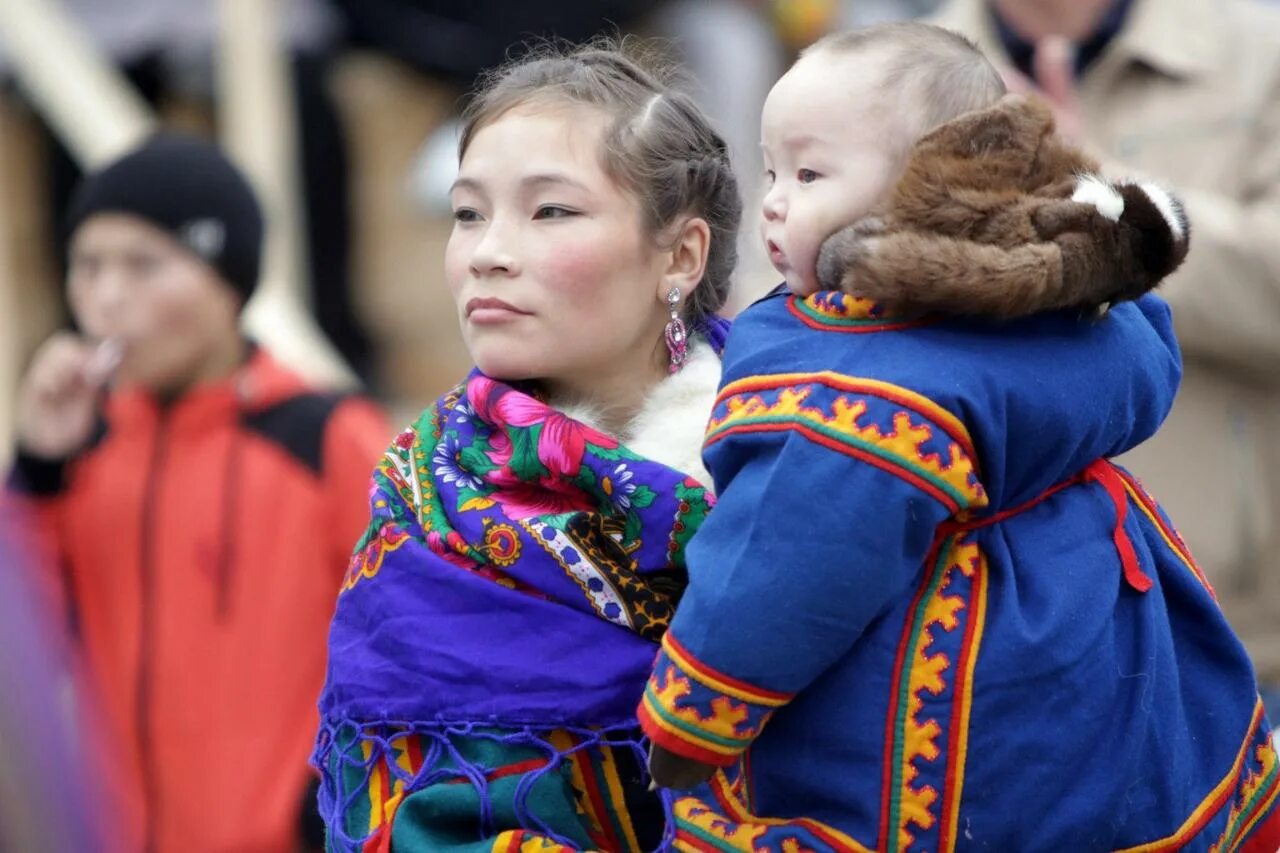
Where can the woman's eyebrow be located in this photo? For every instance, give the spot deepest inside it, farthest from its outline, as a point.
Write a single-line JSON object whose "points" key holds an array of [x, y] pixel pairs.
{"points": [[528, 181], [543, 178]]}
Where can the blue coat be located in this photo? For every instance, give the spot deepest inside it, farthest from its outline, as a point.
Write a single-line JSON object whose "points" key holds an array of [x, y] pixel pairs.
{"points": [[927, 615]]}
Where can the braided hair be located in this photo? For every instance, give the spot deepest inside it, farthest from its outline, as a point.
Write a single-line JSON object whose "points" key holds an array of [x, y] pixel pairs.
{"points": [[659, 145]]}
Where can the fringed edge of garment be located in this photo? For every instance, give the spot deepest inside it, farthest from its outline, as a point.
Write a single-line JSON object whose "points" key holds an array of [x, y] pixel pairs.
{"points": [[335, 800]]}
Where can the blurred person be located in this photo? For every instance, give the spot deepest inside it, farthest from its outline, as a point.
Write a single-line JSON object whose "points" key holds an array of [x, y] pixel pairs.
{"points": [[1187, 93], [168, 51], [53, 796], [201, 500]]}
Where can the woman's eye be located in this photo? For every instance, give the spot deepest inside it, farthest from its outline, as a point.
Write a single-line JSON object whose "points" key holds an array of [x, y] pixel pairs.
{"points": [[553, 211], [465, 214], [806, 176]]}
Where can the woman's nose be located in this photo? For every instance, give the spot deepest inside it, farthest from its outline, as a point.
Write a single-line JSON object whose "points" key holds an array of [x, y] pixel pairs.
{"points": [[493, 254]]}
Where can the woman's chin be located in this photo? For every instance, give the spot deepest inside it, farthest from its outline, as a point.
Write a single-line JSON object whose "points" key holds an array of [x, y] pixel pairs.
{"points": [[505, 367]]}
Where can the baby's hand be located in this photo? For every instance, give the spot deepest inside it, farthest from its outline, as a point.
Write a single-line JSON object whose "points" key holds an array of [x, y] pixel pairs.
{"points": [[674, 771], [842, 251]]}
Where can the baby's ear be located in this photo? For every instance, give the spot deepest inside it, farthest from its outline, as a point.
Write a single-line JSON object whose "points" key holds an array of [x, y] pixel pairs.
{"points": [[675, 771]]}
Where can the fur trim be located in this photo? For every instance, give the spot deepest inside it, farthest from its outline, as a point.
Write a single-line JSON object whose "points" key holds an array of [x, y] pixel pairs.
{"points": [[1092, 189], [670, 427], [1170, 208], [996, 216]]}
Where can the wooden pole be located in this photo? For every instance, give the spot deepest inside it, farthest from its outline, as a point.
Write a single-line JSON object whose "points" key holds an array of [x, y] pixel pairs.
{"points": [[259, 130], [89, 104]]}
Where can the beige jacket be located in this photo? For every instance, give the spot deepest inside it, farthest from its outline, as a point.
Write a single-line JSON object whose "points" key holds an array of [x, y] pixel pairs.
{"points": [[1188, 94]]}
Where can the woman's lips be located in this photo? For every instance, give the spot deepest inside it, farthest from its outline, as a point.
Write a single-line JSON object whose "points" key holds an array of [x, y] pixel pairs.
{"points": [[489, 310]]}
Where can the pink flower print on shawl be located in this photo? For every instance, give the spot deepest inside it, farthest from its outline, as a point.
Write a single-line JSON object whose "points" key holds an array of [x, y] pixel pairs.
{"points": [[562, 443]]}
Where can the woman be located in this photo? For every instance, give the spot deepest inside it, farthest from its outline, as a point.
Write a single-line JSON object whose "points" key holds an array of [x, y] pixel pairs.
{"points": [[525, 551]]}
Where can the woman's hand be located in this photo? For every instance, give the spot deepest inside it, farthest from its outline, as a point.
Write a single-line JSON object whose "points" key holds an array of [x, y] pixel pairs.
{"points": [[674, 771]]}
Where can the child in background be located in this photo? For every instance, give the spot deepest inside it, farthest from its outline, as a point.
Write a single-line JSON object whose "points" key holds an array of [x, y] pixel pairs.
{"points": [[927, 613], [200, 499]]}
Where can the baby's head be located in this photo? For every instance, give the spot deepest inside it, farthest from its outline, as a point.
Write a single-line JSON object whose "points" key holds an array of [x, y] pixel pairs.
{"points": [[837, 129]]}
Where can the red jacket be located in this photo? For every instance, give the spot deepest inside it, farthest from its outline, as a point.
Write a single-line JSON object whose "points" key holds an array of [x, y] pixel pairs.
{"points": [[201, 546]]}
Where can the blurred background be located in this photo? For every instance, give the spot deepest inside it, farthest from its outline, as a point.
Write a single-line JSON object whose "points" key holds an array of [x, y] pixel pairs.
{"points": [[345, 120], [343, 113]]}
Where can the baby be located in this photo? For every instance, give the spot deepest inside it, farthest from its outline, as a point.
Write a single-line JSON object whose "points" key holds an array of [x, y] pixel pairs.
{"points": [[923, 575]]}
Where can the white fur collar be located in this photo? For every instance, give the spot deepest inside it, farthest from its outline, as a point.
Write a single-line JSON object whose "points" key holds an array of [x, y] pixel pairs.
{"points": [[669, 428]]}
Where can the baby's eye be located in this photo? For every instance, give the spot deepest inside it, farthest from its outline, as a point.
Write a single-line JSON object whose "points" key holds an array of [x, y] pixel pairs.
{"points": [[806, 176], [466, 214], [769, 177], [553, 211]]}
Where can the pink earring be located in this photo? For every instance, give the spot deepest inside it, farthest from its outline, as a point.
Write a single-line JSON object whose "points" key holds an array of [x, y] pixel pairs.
{"points": [[676, 334]]}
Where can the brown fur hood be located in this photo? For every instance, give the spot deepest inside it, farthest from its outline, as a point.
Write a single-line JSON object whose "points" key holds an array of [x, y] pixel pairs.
{"points": [[996, 216]]}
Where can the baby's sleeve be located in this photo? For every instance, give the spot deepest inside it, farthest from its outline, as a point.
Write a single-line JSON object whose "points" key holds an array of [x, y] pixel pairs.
{"points": [[831, 489]]}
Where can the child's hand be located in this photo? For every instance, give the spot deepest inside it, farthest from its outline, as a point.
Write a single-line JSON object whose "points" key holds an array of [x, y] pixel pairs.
{"points": [[674, 771], [59, 398]]}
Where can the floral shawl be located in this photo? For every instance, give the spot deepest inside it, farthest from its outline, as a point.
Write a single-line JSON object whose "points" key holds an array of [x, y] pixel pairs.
{"points": [[517, 572]]}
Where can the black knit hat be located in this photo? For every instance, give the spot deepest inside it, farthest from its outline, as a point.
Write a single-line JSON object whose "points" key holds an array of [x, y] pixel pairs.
{"points": [[187, 187]]}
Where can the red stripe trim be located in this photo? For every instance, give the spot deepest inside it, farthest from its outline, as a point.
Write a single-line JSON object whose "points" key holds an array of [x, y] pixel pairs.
{"points": [[1153, 512], [891, 719], [506, 770], [703, 669], [735, 810], [692, 842], [1262, 801], [840, 447], [589, 781], [1265, 837], [938, 416], [1210, 807], [835, 326], [680, 747], [949, 788]]}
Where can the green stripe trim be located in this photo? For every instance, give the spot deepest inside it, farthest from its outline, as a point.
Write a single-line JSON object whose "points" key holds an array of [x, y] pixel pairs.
{"points": [[904, 694], [951, 491], [829, 320], [689, 728], [700, 833], [1263, 791]]}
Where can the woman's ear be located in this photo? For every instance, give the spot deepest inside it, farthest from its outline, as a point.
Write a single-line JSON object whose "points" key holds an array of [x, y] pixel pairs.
{"points": [[688, 258]]}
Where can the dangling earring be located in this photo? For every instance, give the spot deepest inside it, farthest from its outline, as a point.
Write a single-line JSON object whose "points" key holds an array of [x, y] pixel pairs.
{"points": [[677, 336]]}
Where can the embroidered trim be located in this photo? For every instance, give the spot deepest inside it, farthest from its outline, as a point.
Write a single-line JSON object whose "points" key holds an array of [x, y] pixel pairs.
{"points": [[1212, 803], [833, 311], [920, 800], [1148, 506], [698, 712], [727, 825], [1257, 796], [834, 420]]}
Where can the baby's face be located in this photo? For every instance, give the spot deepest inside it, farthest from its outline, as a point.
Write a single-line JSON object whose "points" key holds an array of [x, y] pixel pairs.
{"points": [[830, 156]]}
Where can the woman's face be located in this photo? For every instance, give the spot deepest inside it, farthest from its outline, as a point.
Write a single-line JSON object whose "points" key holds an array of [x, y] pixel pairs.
{"points": [[550, 263]]}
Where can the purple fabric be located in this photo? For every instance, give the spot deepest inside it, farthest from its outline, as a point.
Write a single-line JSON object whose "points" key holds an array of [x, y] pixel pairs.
{"points": [[518, 568]]}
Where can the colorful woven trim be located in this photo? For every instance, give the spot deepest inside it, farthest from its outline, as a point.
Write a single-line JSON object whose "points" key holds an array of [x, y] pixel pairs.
{"points": [[722, 822], [695, 711], [832, 311], [1250, 785], [927, 748], [890, 427]]}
